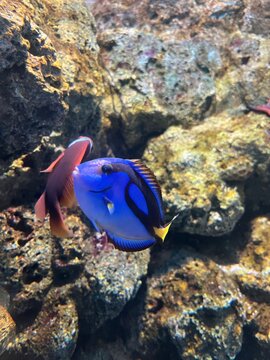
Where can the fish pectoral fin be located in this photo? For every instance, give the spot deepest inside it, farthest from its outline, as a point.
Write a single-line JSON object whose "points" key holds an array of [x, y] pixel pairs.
{"points": [[68, 197], [163, 231], [109, 204]]}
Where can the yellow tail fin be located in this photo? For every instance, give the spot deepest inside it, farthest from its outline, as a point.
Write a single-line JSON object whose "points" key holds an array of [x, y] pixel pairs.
{"points": [[163, 231]]}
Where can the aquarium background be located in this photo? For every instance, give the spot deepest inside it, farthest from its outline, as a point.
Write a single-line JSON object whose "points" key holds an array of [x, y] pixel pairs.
{"points": [[177, 84]]}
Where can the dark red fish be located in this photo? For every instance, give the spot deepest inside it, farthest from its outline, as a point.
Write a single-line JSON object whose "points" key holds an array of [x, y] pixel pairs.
{"points": [[59, 188], [265, 108]]}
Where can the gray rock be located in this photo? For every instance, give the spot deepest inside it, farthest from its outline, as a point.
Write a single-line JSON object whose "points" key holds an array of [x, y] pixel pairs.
{"points": [[191, 305], [156, 83]]}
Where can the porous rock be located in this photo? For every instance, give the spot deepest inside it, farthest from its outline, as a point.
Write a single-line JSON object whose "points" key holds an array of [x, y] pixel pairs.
{"points": [[109, 281], [53, 282], [7, 329], [50, 84], [191, 309], [53, 334], [177, 63], [206, 174], [252, 273]]}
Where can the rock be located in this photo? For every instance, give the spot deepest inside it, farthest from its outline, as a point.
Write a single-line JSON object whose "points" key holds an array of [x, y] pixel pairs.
{"points": [[104, 350], [50, 81], [256, 15], [179, 91], [170, 18], [171, 80], [109, 282], [51, 279], [191, 310], [53, 334], [165, 65], [253, 276], [254, 261], [7, 329], [25, 259], [206, 174]]}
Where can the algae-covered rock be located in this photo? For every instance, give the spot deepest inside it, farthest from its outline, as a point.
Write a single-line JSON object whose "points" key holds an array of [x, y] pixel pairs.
{"points": [[178, 62], [192, 307], [196, 65], [50, 84], [205, 174], [109, 281], [53, 334], [7, 329], [157, 83], [54, 281], [252, 273], [25, 259]]}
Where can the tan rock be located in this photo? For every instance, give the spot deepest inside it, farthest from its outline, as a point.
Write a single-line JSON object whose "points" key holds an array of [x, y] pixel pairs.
{"points": [[7, 329], [203, 173], [51, 83]]}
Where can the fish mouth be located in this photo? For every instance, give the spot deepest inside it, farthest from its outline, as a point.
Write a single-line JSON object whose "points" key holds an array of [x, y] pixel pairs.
{"points": [[100, 191]]}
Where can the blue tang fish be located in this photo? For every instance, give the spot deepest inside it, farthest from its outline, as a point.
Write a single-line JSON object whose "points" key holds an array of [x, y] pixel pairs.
{"points": [[122, 198]]}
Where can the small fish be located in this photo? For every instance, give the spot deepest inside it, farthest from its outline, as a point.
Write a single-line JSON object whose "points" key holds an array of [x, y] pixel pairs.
{"points": [[59, 188], [122, 198], [265, 108]]}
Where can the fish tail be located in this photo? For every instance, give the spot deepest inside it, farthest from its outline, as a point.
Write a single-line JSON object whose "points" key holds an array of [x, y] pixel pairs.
{"points": [[40, 207], [163, 231], [57, 225]]}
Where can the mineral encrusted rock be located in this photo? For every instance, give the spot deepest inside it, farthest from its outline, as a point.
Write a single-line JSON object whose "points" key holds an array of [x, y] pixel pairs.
{"points": [[50, 83], [191, 305], [252, 273], [54, 332], [61, 280], [207, 173], [177, 62], [158, 83], [7, 329]]}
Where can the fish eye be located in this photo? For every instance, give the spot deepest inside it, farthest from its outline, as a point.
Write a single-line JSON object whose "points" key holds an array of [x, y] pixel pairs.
{"points": [[107, 168]]}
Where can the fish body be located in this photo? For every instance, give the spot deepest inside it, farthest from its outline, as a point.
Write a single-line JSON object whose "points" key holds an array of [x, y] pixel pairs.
{"points": [[59, 188], [122, 198], [264, 108]]}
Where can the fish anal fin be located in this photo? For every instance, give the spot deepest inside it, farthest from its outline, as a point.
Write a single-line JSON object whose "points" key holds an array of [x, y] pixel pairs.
{"points": [[161, 232], [59, 229], [68, 196], [40, 208], [57, 225], [130, 245]]}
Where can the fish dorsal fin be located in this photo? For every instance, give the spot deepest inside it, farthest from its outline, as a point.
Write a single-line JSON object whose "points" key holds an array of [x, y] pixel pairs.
{"points": [[53, 164], [143, 171]]}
